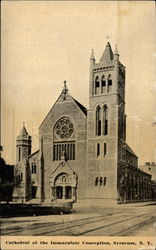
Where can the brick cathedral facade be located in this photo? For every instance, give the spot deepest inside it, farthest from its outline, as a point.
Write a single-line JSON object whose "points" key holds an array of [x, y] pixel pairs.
{"points": [[83, 154]]}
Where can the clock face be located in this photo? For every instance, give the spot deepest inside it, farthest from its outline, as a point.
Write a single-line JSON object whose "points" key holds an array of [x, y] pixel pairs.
{"points": [[64, 128]]}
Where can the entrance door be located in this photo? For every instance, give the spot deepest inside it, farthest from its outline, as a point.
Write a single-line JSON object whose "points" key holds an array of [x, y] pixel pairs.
{"points": [[68, 193], [33, 192], [59, 192]]}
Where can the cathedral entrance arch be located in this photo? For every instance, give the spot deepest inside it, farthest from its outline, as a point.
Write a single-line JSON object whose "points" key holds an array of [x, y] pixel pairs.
{"points": [[64, 187]]}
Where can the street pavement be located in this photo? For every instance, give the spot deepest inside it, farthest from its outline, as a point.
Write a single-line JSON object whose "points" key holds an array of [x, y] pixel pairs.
{"points": [[137, 219]]}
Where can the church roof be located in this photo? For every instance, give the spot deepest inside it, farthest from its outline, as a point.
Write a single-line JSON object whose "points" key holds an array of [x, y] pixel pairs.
{"points": [[65, 96], [130, 150], [84, 110], [34, 153], [107, 54]]}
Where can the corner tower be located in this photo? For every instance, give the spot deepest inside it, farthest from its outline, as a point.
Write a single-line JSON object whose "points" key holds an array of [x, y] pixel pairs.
{"points": [[106, 123], [22, 170], [23, 145]]}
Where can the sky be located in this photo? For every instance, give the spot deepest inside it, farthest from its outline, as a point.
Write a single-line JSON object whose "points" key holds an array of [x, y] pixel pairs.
{"points": [[47, 42]]}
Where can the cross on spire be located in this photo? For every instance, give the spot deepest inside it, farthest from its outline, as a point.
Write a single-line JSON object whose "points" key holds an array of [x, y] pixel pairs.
{"points": [[65, 85], [65, 90]]}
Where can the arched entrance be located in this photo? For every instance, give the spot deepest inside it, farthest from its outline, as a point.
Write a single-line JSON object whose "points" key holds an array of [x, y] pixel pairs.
{"points": [[64, 187], [33, 189], [59, 192]]}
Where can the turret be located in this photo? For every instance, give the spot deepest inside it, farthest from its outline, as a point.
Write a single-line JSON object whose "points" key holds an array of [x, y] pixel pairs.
{"points": [[116, 56], [23, 145], [92, 65]]}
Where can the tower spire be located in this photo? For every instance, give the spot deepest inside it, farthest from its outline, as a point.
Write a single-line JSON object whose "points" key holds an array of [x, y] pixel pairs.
{"points": [[107, 56], [92, 55], [116, 50]]}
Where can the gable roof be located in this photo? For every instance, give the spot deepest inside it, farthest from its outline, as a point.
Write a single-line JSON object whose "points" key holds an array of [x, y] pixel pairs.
{"points": [[66, 97]]}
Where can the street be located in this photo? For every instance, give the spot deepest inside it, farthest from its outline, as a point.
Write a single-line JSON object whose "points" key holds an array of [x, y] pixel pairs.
{"points": [[137, 219]]}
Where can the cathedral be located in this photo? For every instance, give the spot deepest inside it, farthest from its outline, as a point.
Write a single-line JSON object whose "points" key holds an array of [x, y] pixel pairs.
{"points": [[83, 155]]}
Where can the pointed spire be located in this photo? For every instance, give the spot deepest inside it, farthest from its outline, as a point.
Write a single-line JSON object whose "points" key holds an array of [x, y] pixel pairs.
{"points": [[23, 131], [116, 50], [92, 55], [107, 54], [23, 134]]}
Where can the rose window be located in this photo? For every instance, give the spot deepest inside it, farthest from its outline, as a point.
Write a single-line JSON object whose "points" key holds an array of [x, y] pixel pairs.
{"points": [[64, 128]]}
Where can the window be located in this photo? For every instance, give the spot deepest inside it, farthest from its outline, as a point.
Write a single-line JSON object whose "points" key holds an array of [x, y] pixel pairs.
{"points": [[64, 128], [100, 181], [21, 177], [96, 181], [64, 150], [98, 121], [105, 120], [105, 149], [98, 149], [33, 167], [97, 85], [104, 180], [64, 143], [19, 154], [103, 85], [109, 89]]}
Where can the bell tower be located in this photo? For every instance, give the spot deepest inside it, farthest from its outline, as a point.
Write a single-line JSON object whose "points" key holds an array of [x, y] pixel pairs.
{"points": [[106, 123]]}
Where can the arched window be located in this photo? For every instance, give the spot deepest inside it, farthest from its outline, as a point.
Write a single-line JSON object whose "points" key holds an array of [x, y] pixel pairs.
{"points": [[105, 120], [103, 85], [98, 121], [19, 154], [105, 149], [101, 181], [64, 145], [96, 181], [104, 181], [32, 167], [98, 149], [97, 85], [21, 177], [109, 89]]}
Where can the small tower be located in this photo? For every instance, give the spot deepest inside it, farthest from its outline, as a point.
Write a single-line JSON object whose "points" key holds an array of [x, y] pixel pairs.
{"points": [[22, 171], [23, 145], [92, 64]]}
